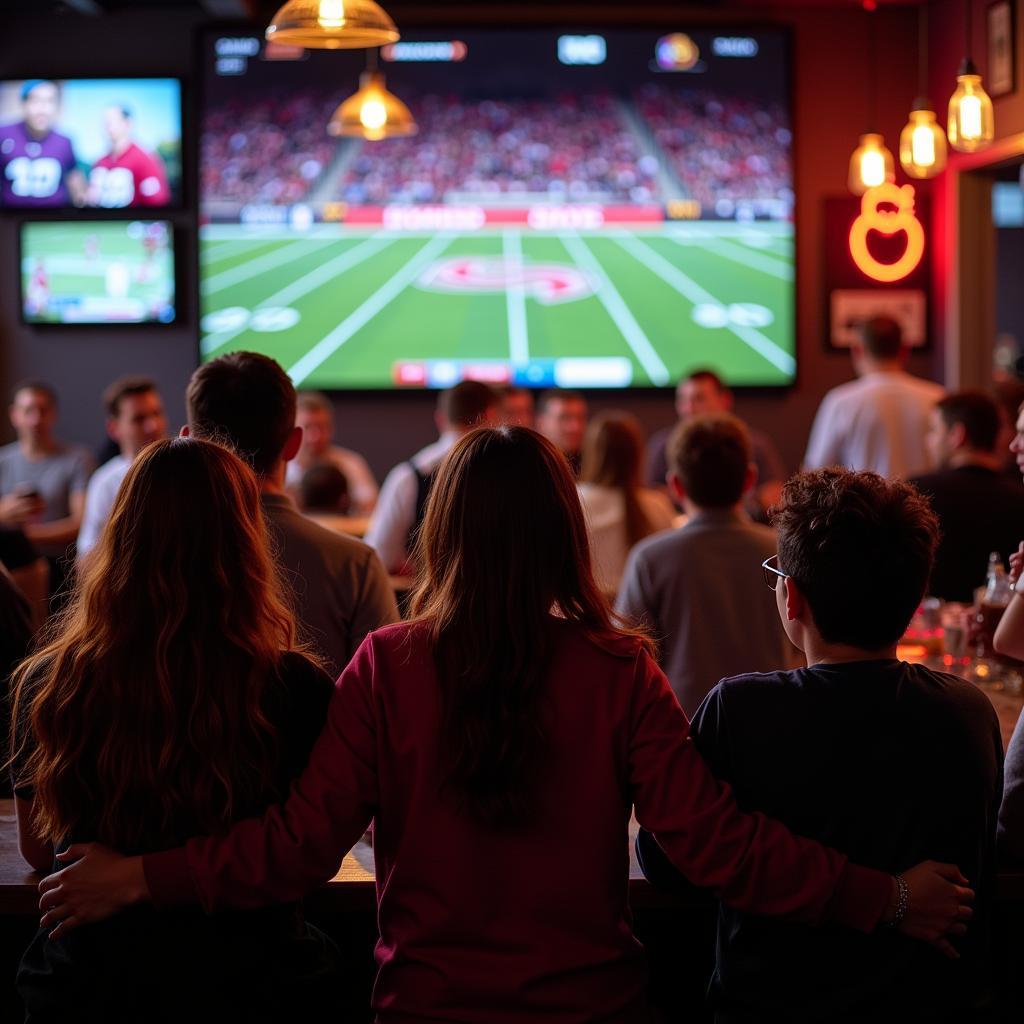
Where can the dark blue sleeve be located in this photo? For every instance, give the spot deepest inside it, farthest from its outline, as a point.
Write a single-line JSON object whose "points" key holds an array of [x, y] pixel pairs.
{"points": [[1011, 814]]}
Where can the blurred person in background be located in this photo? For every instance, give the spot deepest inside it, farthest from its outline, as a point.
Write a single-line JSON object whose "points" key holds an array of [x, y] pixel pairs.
{"points": [[315, 415], [703, 393], [403, 496], [878, 421], [135, 418], [979, 510], [516, 406], [619, 511], [562, 419], [43, 480], [691, 587]]}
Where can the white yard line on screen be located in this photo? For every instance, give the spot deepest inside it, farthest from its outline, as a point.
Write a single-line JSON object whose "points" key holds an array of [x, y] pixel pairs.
{"points": [[747, 257], [323, 274], [220, 250], [262, 264], [689, 289], [615, 306], [361, 316], [515, 296]]}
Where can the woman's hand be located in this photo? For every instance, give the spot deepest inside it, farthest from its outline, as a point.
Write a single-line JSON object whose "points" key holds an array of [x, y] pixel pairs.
{"points": [[1017, 563], [940, 905], [97, 883]]}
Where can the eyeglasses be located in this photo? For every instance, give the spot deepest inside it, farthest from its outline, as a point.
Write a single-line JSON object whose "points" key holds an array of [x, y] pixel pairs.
{"points": [[772, 573]]}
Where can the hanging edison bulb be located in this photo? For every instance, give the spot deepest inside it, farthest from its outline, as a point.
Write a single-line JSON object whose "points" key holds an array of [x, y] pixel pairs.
{"points": [[372, 113], [332, 24], [922, 143], [971, 125], [871, 164]]}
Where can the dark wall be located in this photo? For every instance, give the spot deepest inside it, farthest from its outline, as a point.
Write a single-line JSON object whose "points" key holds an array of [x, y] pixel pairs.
{"points": [[830, 111]]}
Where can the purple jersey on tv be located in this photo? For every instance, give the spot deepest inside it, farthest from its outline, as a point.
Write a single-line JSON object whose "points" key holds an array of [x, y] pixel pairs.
{"points": [[34, 170]]}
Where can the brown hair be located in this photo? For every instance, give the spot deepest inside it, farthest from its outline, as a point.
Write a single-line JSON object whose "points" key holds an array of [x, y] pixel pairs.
{"points": [[613, 449], [468, 403], [882, 337], [711, 455], [503, 547], [124, 387], [247, 400], [861, 550], [977, 413], [146, 701]]}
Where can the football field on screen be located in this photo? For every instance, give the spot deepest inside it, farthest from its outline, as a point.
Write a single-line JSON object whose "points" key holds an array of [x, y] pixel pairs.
{"points": [[340, 309]]}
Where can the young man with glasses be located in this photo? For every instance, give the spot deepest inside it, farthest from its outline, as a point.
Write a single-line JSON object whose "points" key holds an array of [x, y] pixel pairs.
{"points": [[889, 762]]}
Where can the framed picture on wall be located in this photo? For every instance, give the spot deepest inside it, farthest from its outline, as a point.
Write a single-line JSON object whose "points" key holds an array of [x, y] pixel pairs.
{"points": [[1000, 78]]}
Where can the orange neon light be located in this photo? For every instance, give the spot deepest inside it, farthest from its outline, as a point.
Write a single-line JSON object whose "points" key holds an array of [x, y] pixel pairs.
{"points": [[887, 222]]}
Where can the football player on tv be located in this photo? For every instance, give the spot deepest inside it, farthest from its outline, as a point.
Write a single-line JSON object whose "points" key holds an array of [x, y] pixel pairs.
{"points": [[127, 175], [37, 164]]}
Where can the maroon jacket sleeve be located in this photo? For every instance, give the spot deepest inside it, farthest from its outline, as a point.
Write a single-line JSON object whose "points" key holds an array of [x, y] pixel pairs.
{"points": [[754, 863], [298, 846]]}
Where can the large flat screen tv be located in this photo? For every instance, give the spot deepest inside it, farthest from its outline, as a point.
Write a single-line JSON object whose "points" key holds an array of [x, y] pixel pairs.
{"points": [[582, 209], [97, 272], [107, 143]]}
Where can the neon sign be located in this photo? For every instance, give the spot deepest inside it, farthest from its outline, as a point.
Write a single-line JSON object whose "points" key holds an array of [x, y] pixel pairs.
{"points": [[887, 222]]}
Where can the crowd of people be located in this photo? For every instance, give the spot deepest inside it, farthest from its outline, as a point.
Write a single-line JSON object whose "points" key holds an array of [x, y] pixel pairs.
{"points": [[579, 637], [566, 148], [265, 149], [725, 151]]}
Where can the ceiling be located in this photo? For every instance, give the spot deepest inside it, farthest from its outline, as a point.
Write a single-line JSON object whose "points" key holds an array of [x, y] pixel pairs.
{"points": [[262, 10]]}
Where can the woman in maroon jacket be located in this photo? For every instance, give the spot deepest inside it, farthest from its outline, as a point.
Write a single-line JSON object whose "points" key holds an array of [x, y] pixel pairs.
{"points": [[499, 741]]}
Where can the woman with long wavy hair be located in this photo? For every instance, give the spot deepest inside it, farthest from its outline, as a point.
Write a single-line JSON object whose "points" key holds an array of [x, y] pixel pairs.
{"points": [[169, 698], [499, 741], [619, 510]]}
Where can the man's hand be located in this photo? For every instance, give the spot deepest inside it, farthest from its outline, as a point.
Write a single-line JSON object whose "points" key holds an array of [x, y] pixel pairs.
{"points": [[940, 905], [18, 509], [97, 883]]}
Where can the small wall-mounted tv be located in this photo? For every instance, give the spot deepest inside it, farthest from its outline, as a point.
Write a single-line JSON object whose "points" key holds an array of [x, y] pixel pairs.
{"points": [[105, 143], [97, 272]]}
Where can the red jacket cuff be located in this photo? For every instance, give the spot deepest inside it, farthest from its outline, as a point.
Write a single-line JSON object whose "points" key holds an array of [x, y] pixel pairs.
{"points": [[168, 879], [860, 897]]}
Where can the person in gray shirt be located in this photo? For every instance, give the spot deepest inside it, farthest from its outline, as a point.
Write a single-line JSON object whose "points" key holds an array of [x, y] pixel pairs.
{"points": [[42, 479], [341, 591], [697, 587]]}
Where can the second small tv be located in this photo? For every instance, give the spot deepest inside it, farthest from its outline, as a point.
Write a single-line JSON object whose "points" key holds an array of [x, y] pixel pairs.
{"points": [[97, 272], [104, 143]]}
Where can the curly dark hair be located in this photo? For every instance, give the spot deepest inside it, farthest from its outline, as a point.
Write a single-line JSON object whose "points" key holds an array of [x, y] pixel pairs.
{"points": [[861, 550]]}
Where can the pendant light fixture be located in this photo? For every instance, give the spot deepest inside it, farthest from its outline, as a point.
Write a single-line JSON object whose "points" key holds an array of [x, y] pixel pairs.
{"points": [[332, 25], [922, 141], [971, 125], [372, 112], [871, 164]]}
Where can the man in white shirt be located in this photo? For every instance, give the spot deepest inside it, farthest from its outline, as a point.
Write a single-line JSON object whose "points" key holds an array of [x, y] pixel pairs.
{"points": [[880, 420], [135, 418], [403, 495], [313, 413]]}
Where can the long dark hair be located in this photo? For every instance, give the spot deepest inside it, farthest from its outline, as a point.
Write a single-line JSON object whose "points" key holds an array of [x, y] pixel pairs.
{"points": [[503, 548], [613, 449], [146, 703]]}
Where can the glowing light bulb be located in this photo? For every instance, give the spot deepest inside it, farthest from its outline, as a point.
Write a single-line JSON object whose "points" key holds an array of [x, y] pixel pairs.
{"points": [[872, 168], [970, 124], [922, 143], [871, 164], [922, 146], [331, 13], [373, 115], [970, 118]]}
